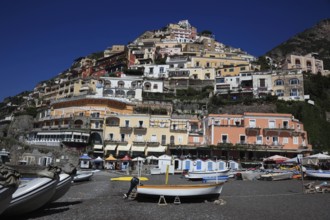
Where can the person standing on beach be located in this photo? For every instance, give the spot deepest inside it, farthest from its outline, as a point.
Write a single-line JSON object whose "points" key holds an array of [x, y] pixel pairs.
{"points": [[134, 182]]}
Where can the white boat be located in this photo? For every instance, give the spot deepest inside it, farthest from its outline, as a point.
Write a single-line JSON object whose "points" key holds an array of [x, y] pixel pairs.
{"points": [[215, 179], [31, 195], [84, 176], [251, 174], [199, 175], [192, 192], [9, 181], [277, 176], [321, 174], [62, 186]]}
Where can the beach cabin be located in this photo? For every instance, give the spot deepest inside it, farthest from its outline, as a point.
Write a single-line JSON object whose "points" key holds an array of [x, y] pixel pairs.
{"points": [[199, 165], [233, 165], [210, 165], [85, 161], [221, 165], [177, 164], [188, 164], [165, 160]]}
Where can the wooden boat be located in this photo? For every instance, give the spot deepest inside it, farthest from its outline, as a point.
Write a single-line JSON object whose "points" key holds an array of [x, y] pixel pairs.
{"points": [[321, 174], [85, 176], [189, 193], [199, 175], [277, 176], [62, 186], [128, 178], [31, 195], [9, 181]]}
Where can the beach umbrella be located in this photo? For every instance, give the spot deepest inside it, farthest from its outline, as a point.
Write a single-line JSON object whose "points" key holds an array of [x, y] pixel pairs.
{"points": [[126, 158], [319, 156], [152, 157], [277, 158]]}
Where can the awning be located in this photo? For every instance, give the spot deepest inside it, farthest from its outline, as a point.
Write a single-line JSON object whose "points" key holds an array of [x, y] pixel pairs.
{"points": [[98, 147], [49, 133], [84, 134], [139, 149], [124, 147], [76, 133], [110, 147], [156, 149]]}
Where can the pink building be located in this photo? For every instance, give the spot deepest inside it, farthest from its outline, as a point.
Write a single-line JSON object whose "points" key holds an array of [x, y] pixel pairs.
{"points": [[255, 135]]}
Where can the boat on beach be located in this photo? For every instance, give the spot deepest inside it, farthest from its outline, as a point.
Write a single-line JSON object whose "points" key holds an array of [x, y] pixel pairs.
{"points": [[215, 179], [321, 174], [199, 175], [9, 181], [33, 194], [62, 187], [83, 176], [277, 176], [185, 192]]}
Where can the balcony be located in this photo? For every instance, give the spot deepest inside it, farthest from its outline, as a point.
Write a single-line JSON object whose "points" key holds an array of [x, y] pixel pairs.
{"points": [[252, 131], [153, 143], [140, 130], [177, 130], [139, 142], [126, 130], [279, 131]]}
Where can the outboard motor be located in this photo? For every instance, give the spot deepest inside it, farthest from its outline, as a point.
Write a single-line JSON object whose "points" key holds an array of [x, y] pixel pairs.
{"points": [[134, 182]]}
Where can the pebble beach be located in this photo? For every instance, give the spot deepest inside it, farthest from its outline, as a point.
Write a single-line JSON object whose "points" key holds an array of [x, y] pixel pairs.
{"points": [[101, 198]]}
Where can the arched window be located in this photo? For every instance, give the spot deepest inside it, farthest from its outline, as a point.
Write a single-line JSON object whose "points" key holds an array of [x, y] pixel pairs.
{"points": [[297, 61], [108, 92], [294, 81], [121, 84], [279, 82], [147, 86]]}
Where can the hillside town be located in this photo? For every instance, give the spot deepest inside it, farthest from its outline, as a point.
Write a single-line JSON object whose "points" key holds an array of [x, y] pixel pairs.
{"points": [[116, 102]]}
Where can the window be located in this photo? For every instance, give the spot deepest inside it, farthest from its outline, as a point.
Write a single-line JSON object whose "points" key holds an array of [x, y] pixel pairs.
{"points": [[140, 124], [242, 139], [207, 64], [294, 92], [275, 140], [162, 124], [111, 136], [172, 139], [285, 124], [163, 139], [271, 124], [155, 86], [161, 69], [126, 123], [224, 138], [295, 140], [279, 82], [262, 82], [259, 140], [151, 70], [294, 81], [196, 139], [231, 70], [242, 68], [285, 140], [197, 63], [279, 92], [122, 137], [252, 123]]}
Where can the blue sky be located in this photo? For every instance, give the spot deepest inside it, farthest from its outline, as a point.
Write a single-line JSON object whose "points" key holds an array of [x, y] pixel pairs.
{"points": [[41, 38]]}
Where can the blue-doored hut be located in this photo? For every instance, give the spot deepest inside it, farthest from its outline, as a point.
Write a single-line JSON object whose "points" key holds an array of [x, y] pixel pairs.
{"points": [[233, 165], [85, 161], [199, 165], [221, 165], [187, 164], [210, 165]]}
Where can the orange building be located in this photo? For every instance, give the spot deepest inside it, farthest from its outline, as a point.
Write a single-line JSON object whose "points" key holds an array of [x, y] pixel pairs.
{"points": [[255, 135]]}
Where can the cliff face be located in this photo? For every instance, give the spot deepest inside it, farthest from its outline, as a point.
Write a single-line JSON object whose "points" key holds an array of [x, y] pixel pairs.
{"points": [[315, 39]]}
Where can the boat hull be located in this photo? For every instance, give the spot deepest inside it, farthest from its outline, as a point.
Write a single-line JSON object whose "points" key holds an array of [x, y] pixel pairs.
{"points": [[318, 174], [277, 176], [31, 196], [186, 193], [199, 175], [62, 187], [83, 177], [6, 196]]}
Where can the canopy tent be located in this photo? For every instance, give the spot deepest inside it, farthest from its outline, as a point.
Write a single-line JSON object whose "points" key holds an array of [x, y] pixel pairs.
{"points": [[110, 158], [85, 157], [152, 157], [276, 159], [139, 159], [98, 159], [126, 158]]}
